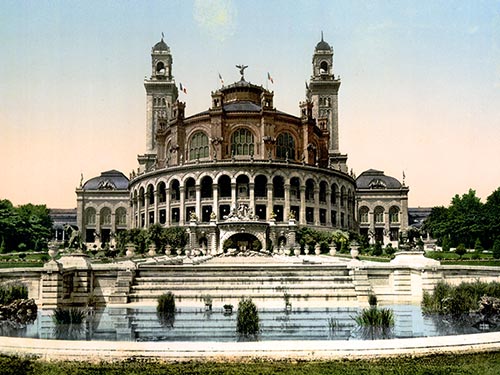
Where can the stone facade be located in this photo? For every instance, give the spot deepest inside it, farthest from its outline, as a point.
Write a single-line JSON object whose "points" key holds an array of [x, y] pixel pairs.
{"points": [[244, 155], [382, 204]]}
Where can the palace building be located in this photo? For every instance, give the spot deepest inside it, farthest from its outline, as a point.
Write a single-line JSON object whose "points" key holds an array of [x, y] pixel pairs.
{"points": [[243, 172]]}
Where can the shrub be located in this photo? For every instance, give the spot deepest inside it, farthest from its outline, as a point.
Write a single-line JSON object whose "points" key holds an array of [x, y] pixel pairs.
{"points": [[446, 244], [247, 321], [377, 249], [372, 300], [390, 250], [460, 251], [166, 309], [496, 249], [375, 322], [478, 246], [73, 315], [12, 292]]}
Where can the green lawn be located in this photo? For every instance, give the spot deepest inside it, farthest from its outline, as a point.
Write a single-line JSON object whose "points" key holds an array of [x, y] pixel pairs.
{"points": [[456, 364]]}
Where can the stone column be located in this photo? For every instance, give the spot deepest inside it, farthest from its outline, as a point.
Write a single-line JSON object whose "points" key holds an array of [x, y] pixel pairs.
{"points": [[302, 213], [316, 206], [146, 209], [371, 220], [286, 211], [167, 207], [181, 208], [328, 207], [233, 194], [215, 195], [251, 186], [155, 213], [198, 201], [269, 200]]}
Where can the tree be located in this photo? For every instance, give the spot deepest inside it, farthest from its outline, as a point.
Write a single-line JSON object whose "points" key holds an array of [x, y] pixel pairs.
{"points": [[496, 249], [491, 213], [461, 250]]}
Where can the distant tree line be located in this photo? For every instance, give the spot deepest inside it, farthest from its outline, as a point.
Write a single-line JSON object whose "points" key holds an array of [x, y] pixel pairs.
{"points": [[467, 222], [26, 227]]}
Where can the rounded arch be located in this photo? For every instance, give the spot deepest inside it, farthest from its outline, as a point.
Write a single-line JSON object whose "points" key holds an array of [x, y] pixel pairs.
{"points": [[310, 184], [242, 241], [323, 67], [260, 186], [285, 146], [189, 188], [378, 213], [105, 216], [90, 216], [206, 187], [151, 194], [242, 142], [278, 187], [162, 192], [121, 217], [334, 193], [242, 186], [342, 196], [160, 68], [322, 191], [295, 187], [198, 146], [363, 214], [224, 184], [142, 196], [394, 213], [175, 190]]}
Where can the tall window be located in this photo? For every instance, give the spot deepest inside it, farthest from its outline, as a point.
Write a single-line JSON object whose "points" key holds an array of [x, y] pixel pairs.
{"points": [[90, 216], [106, 216], [394, 215], [285, 146], [379, 214], [121, 216], [363, 215], [198, 148], [242, 142]]}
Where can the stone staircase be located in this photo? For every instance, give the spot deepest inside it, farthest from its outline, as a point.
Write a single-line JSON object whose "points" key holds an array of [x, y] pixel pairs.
{"points": [[307, 285]]}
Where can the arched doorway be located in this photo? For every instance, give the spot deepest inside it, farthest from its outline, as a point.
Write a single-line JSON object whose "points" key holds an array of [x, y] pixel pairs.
{"points": [[242, 242]]}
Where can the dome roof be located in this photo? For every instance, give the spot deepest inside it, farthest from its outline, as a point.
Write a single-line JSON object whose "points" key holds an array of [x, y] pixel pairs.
{"points": [[109, 180], [160, 46], [322, 45], [373, 179]]}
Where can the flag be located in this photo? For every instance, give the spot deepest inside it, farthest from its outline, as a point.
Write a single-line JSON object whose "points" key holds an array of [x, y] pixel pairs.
{"points": [[270, 78], [182, 88], [221, 80]]}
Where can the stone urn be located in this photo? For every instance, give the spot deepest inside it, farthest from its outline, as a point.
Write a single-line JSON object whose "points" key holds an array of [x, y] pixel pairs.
{"points": [[53, 251], [317, 249], [152, 250], [287, 251], [296, 251], [354, 250], [168, 250], [179, 251], [130, 250], [306, 250], [333, 249]]}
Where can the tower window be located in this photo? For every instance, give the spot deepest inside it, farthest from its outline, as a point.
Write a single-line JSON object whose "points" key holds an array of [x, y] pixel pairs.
{"points": [[242, 142], [323, 67], [198, 148], [285, 146], [160, 69]]}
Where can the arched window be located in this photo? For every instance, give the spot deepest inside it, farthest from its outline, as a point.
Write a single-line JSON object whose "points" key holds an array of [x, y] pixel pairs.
{"points": [[198, 148], [242, 142], [363, 215], [394, 215], [285, 146], [379, 214], [121, 217], [90, 216], [323, 67], [162, 192], [106, 216]]}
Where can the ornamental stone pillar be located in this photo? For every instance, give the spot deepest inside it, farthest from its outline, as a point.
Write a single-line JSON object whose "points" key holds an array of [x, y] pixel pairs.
{"points": [[233, 194], [270, 207], [181, 207], [167, 207], [215, 195], [251, 206], [286, 211], [316, 206], [302, 213], [328, 208], [198, 201]]}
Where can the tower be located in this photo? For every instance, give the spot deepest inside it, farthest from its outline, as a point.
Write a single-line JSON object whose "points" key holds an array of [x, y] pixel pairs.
{"points": [[161, 93], [323, 92]]}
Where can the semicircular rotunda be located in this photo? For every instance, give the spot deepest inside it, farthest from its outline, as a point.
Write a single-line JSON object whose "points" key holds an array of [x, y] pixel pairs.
{"points": [[242, 171]]}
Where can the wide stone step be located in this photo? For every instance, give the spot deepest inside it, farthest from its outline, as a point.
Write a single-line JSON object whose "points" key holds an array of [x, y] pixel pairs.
{"points": [[238, 279]]}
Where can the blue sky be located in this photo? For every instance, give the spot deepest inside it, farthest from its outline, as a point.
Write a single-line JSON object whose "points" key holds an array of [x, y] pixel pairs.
{"points": [[420, 83]]}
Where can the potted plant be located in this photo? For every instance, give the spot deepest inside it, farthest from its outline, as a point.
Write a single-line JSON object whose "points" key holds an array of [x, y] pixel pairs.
{"points": [[228, 309], [354, 250]]}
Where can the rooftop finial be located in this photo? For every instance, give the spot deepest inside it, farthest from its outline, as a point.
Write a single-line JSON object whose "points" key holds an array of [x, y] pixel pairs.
{"points": [[322, 35], [163, 36]]}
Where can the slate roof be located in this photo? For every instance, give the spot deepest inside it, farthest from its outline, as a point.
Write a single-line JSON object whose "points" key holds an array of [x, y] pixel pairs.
{"points": [[374, 179], [109, 180]]}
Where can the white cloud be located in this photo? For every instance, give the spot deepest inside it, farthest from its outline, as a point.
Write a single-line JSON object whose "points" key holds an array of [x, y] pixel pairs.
{"points": [[216, 17]]}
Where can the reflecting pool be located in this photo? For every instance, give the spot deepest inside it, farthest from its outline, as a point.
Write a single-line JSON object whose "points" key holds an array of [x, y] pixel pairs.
{"points": [[195, 324]]}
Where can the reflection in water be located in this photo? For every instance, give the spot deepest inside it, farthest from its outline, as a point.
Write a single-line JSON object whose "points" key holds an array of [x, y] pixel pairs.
{"points": [[194, 324]]}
